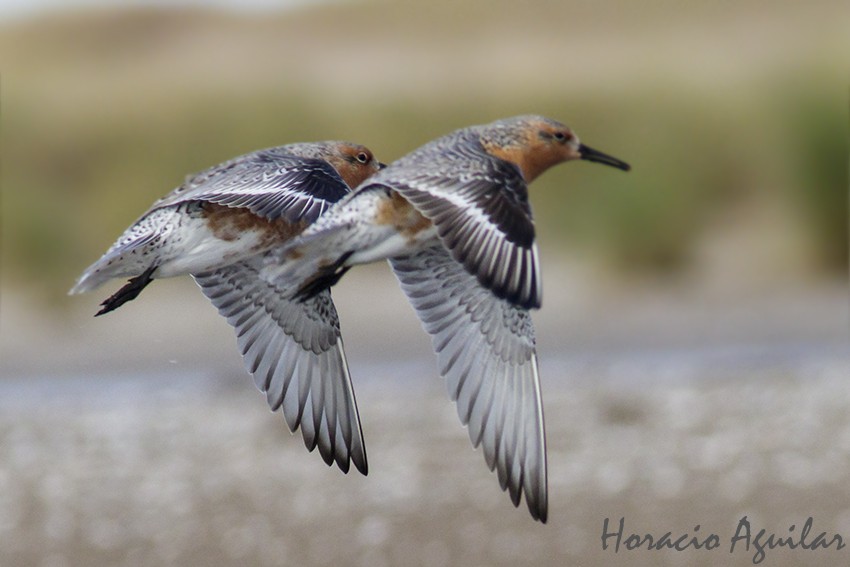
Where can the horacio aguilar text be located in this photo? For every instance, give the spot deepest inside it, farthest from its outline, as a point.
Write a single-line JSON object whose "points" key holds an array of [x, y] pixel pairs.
{"points": [[744, 538]]}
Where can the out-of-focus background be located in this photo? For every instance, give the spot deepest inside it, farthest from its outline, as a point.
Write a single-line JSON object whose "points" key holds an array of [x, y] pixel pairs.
{"points": [[694, 333]]}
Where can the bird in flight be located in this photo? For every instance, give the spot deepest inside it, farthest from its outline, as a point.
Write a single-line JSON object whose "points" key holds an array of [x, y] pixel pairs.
{"points": [[454, 220], [216, 226]]}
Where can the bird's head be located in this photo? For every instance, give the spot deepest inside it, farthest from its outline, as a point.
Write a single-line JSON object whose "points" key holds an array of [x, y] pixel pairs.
{"points": [[354, 163], [535, 143]]}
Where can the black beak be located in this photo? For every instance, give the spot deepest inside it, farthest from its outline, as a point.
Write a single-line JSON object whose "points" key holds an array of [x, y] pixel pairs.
{"points": [[590, 154], [381, 165]]}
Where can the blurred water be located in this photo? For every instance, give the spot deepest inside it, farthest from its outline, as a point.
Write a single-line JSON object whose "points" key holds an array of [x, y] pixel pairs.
{"points": [[640, 368]]}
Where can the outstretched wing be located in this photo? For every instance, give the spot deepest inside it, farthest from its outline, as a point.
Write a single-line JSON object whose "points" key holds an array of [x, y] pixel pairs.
{"points": [[486, 353], [269, 182], [484, 219], [295, 353]]}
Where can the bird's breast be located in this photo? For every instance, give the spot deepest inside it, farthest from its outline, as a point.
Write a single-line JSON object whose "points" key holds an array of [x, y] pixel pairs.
{"points": [[397, 211], [232, 223]]}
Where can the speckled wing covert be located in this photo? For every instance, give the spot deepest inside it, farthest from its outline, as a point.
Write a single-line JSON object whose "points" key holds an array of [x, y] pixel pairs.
{"points": [[486, 353], [295, 353], [481, 211], [270, 183]]}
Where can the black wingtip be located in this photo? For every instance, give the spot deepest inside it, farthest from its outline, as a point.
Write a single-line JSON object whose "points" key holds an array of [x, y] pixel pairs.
{"points": [[128, 292], [362, 467], [328, 457], [344, 465], [538, 507]]}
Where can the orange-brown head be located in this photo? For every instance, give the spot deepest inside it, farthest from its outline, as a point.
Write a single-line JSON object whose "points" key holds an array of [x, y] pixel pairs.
{"points": [[535, 143], [353, 162]]}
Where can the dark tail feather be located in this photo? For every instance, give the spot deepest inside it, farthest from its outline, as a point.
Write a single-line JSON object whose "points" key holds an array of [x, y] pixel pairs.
{"points": [[130, 291]]}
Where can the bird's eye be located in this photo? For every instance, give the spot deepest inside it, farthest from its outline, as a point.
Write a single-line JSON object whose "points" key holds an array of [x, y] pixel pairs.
{"points": [[561, 136], [363, 157]]}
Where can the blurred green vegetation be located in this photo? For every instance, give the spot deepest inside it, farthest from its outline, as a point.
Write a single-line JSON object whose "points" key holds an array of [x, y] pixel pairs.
{"points": [[84, 155], [820, 183]]}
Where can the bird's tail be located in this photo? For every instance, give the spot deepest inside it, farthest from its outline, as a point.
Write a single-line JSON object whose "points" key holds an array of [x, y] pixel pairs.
{"points": [[127, 257], [111, 265]]}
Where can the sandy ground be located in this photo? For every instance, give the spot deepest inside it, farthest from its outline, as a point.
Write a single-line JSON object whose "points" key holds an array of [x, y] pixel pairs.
{"points": [[136, 439]]}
